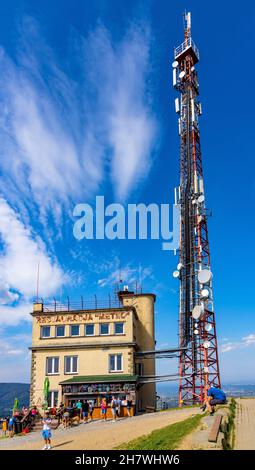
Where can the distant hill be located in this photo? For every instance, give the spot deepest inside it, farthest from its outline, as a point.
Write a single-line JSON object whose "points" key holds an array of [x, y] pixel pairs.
{"points": [[8, 393]]}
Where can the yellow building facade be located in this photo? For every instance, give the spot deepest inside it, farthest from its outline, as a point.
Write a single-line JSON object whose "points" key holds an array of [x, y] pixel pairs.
{"points": [[94, 354]]}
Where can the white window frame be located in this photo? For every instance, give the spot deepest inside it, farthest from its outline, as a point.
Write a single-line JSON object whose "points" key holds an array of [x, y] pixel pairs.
{"points": [[104, 334], [60, 336], [53, 365], [51, 395], [45, 326], [70, 331], [115, 362], [119, 323], [71, 363], [89, 324]]}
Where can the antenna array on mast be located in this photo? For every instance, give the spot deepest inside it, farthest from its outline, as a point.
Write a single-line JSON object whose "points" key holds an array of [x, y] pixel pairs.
{"points": [[198, 364]]}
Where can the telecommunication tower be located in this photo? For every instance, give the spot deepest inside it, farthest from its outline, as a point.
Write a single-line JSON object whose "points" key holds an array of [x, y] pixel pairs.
{"points": [[198, 360]]}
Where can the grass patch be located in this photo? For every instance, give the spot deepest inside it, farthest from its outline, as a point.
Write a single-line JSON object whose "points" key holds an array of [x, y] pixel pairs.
{"points": [[166, 438], [179, 408], [229, 435]]}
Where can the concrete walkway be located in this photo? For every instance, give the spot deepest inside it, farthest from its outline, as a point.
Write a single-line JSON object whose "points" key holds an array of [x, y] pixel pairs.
{"points": [[100, 435], [245, 424], [198, 439]]}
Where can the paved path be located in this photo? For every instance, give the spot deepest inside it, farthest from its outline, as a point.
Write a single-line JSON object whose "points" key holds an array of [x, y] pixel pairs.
{"points": [[198, 439], [99, 435], [245, 424]]}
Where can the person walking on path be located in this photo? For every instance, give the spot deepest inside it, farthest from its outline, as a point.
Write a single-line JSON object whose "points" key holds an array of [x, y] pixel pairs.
{"points": [[104, 409], [66, 418], [114, 408], [79, 408], [118, 407], [46, 432], [11, 426], [85, 411], [129, 407], [91, 409]]}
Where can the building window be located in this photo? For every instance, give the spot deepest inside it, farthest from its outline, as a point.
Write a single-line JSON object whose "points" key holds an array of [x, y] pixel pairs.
{"points": [[104, 329], [52, 365], [45, 331], [60, 331], [115, 363], [75, 330], [71, 364], [89, 330], [53, 399], [118, 328]]}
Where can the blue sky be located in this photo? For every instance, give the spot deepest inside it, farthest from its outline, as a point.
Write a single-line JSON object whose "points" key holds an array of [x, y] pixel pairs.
{"points": [[87, 108]]}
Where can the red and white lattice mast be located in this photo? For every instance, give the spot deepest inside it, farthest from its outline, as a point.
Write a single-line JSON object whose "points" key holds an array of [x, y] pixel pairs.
{"points": [[198, 364]]}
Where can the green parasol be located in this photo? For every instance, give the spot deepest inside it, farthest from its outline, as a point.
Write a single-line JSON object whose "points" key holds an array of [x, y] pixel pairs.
{"points": [[16, 405], [46, 388]]}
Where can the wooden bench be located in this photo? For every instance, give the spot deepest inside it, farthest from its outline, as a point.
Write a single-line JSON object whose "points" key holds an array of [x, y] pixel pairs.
{"points": [[213, 436]]}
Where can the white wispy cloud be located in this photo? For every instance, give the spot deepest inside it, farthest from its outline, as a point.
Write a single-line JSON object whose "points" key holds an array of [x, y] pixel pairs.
{"points": [[6, 295], [19, 258], [249, 340], [128, 274], [9, 349], [15, 357], [13, 345], [61, 138], [245, 342], [119, 75]]}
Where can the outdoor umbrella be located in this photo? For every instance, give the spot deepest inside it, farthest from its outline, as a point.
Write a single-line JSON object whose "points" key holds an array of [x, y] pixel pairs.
{"points": [[46, 387], [16, 405]]}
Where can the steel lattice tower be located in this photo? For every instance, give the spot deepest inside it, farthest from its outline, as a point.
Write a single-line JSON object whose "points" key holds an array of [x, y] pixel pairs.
{"points": [[198, 364]]}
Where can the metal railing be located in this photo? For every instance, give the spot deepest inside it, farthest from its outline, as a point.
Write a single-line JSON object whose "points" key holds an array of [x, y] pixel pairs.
{"points": [[184, 46], [68, 305]]}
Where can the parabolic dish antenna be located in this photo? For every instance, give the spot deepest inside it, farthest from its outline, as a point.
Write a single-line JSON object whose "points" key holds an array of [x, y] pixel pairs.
{"points": [[204, 276], [175, 64], [206, 344], [179, 266], [200, 198], [196, 332], [197, 312], [205, 293], [208, 327], [182, 74], [176, 274]]}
